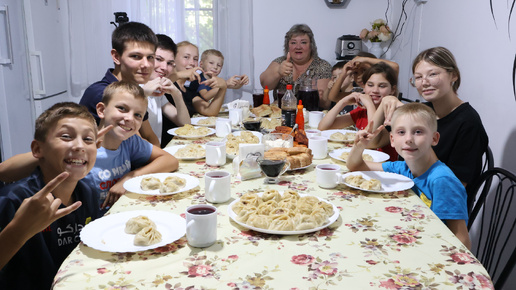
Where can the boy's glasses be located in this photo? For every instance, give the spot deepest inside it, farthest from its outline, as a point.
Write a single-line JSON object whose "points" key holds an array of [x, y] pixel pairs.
{"points": [[433, 79]]}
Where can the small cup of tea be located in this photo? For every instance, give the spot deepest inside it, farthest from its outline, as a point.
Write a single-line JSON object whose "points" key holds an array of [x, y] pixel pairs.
{"points": [[328, 175], [201, 225], [273, 169]]}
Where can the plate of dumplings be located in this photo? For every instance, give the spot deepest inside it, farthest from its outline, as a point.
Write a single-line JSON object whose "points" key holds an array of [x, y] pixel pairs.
{"points": [[133, 231], [282, 213], [377, 181], [161, 183]]}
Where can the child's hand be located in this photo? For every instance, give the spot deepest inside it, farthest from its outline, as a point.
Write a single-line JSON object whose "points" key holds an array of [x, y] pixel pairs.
{"points": [[167, 86], [190, 74], [330, 84], [233, 82], [389, 105], [215, 82], [153, 88], [363, 137], [101, 133], [286, 67], [115, 192], [244, 80], [40, 210]]}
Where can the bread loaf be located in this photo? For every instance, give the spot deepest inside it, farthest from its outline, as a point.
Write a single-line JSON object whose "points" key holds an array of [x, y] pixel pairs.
{"points": [[297, 156], [262, 111]]}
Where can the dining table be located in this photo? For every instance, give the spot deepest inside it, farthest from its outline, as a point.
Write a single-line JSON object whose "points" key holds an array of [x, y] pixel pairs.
{"points": [[388, 240]]}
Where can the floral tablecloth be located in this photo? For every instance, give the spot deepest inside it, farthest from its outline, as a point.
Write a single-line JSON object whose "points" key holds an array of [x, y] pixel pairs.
{"points": [[390, 241]]}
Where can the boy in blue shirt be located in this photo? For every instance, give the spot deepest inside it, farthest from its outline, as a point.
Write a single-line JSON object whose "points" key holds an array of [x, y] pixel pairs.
{"points": [[64, 141], [414, 132], [123, 106]]}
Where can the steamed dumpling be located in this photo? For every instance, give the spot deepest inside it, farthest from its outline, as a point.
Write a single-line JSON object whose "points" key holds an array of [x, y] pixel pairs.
{"points": [[371, 184], [136, 224], [150, 183], [147, 236]]}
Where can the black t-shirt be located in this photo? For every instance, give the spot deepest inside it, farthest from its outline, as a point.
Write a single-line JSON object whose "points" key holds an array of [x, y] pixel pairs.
{"points": [[188, 96], [463, 140]]}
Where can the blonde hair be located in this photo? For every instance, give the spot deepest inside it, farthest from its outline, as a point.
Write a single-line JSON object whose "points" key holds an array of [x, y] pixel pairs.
{"points": [[441, 57], [417, 111], [116, 87], [49, 118], [186, 43], [213, 52]]}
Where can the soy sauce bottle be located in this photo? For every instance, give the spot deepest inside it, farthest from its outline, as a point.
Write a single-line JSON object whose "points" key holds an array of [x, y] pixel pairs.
{"points": [[288, 107]]}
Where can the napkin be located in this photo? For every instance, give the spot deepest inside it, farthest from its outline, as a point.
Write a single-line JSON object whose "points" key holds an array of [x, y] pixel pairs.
{"points": [[245, 164]]}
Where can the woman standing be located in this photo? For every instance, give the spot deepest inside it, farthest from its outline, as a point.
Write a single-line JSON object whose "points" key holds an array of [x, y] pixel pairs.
{"points": [[300, 56]]}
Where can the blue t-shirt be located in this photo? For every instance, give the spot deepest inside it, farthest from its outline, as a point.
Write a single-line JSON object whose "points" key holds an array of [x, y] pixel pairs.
{"points": [[201, 86], [111, 165], [36, 263], [439, 189]]}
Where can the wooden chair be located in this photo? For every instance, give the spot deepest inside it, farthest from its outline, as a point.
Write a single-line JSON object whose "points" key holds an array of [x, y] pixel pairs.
{"points": [[494, 218], [487, 163]]}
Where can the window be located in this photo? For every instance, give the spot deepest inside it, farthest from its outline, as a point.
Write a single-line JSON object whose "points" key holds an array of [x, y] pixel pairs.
{"points": [[192, 20], [199, 23]]}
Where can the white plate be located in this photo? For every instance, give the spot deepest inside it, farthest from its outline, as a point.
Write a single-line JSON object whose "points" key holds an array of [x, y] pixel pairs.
{"points": [[377, 155], [330, 220], [328, 133], [173, 132], [173, 149], [237, 133], [133, 184], [108, 233], [195, 122], [390, 181], [299, 168]]}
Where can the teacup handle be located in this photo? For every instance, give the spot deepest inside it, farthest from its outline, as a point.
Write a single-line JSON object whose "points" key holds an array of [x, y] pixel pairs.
{"points": [[285, 168], [340, 178], [228, 125]]}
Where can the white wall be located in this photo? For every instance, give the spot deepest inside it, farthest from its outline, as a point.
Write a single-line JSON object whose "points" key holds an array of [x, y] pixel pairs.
{"points": [[484, 52]]}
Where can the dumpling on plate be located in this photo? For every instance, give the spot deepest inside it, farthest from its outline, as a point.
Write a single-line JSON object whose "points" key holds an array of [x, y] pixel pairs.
{"points": [[355, 180], [150, 183], [181, 182], [147, 236], [168, 187], [136, 224], [371, 184]]}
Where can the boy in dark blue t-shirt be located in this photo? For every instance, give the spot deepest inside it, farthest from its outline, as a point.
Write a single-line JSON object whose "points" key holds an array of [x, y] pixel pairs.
{"points": [[64, 141]]}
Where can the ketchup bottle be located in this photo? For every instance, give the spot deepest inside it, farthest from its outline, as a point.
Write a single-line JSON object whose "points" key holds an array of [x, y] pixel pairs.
{"points": [[266, 100], [300, 118]]}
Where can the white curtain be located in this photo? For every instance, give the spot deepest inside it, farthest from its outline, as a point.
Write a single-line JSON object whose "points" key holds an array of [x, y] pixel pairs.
{"points": [[89, 35], [88, 42], [234, 38]]}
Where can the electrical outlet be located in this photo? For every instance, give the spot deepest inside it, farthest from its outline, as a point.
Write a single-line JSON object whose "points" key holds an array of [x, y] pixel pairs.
{"points": [[420, 1]]}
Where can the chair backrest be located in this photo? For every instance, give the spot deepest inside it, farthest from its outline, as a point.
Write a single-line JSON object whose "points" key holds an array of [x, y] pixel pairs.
{"points": [[487, 163], [496, 246]]}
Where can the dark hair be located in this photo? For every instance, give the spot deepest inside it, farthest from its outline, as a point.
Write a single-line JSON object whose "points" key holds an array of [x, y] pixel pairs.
{"points": [[301, 29], [382, 68], [116, 87], [166, 43], [442, 58], [49, 118], [366, 54], [132, 32], [338, 65]]}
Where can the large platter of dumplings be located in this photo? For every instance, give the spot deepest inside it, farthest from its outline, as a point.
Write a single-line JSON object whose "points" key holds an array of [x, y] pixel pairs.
{"points": [[133, 231], [161, 183], [342, 154], [377, 181], [191, 132], [286, 213], [204, 121], [339, 135]]}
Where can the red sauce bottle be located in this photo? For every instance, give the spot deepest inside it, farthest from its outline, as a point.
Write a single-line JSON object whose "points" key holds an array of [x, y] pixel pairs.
{"points": [[300, 118], [266, 99]]}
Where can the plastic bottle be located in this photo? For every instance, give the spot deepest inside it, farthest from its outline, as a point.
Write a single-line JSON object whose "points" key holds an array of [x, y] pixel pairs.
{"points": [[288, 107], [300, 118], [266, 99]]}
